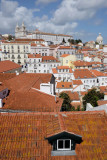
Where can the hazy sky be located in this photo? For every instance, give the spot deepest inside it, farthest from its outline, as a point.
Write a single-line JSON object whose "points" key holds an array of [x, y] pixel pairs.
{"points": [[83, 19]]}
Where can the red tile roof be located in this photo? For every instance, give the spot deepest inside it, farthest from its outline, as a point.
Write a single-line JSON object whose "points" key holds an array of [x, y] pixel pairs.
{"points": [[64, 85], [65, 55], [33, 101], [47, 58], [83, 73], [34, 56], [6, 76], [101, 102], [2, 87], [63, 67], [26, 81], [54, 70], [77, 82], [21, 40], [103, 88], [8, 65], [97, 73], [82, 63], [22, 135], [73, 95], [64, 47]]}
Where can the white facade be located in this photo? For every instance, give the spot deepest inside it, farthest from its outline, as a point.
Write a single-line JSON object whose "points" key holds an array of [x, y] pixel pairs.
{"points": [[47, 88], [105, 49], [64, 50], [40, 49], [36, 65], [16, 52], [64, 74], [102, 81], [89, 82], [20, 32]]}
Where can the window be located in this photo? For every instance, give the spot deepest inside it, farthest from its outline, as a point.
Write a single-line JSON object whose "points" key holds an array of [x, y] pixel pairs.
{"points": [[64, 144], [66, 61]]}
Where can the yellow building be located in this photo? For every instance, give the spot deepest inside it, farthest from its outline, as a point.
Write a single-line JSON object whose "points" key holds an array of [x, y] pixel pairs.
{"points": [[66, 59]]}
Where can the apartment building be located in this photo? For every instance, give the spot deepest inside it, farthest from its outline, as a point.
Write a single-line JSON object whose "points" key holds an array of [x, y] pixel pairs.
{"points": [[38, 64], [63, 73], [15, 51]]}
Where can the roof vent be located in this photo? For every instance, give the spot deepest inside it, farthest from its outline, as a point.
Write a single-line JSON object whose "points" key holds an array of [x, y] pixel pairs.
{"points": [[0, 83]]}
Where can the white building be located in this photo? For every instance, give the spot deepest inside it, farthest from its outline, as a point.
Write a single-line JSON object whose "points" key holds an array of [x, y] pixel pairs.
{"points": [[101, 77], [105, 49], [38, 64], [15, 51], [41, 49], [20, 32], [99, 39], [74, 86], [63, 73], [88, 79], [64, 50]]}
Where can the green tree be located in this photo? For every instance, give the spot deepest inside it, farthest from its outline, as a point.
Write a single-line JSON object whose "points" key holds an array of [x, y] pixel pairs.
{"points": [[66, 105], [10, 37], [63, 41], [92, 97]]}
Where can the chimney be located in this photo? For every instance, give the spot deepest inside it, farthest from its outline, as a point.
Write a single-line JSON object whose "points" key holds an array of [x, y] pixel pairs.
{"points": [[1, 103]]}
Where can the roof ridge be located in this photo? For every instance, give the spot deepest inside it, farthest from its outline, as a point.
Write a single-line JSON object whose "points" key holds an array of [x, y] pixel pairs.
{"points": [[61, 122]]}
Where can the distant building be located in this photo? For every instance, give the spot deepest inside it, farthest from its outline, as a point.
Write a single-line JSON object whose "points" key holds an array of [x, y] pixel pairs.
{"points": [[38, 64], [21, 32], [99, 39]]}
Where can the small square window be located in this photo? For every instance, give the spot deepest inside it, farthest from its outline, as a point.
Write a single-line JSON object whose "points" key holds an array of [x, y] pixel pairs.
{"points": [[64, 144]]}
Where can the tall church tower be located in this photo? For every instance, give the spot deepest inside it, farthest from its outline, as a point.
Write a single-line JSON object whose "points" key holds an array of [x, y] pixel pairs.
{"points": [[20, 31]]}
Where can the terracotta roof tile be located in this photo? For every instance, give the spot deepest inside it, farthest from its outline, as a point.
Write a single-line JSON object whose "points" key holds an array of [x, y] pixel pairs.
{"points": [[82, 63], [103, 88], [83, 73], [24, 82], [65, 55], [34, 56], [97, 73], [73, 95], [6, 76], [54, 70], [33, 101], [21, 40], [51, 58], [64, 47], [64, 85], [101, 102], [63, 67], [8, 65], [77, 82], [22, 136]]}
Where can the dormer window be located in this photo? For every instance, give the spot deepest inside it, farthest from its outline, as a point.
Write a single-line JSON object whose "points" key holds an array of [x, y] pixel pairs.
{"points": [[64, 144]]}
